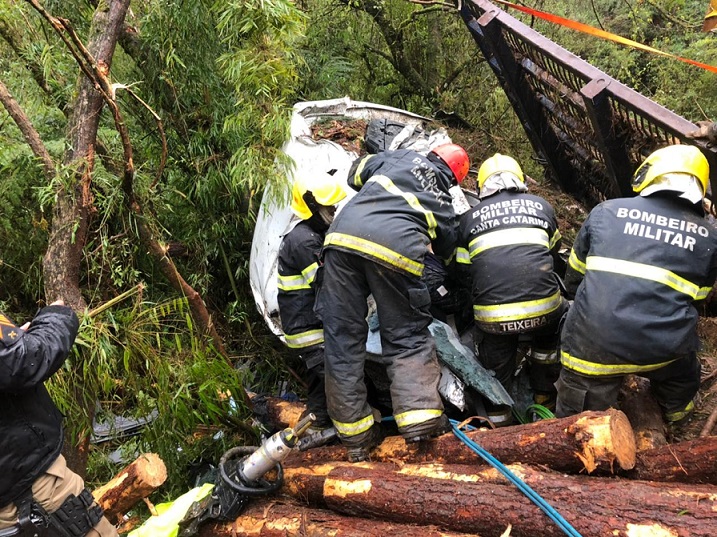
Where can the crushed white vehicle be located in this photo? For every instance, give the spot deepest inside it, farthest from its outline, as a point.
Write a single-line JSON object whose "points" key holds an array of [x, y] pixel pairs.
{"points": [[464, 382]]}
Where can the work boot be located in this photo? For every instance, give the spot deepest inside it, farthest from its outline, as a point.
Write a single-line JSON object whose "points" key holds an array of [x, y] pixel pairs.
{"points": [[362, 450], [501, 416], [441, 426]]}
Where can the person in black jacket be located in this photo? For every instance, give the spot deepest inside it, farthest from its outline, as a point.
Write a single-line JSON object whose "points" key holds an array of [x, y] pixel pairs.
{"points": [[637, 268], [34, 476], [376, 245], [314, 202], [512, 239]]}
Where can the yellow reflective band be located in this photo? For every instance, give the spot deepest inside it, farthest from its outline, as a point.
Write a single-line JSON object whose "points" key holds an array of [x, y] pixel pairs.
{"points": [[517, 310], [462, 256], [412, 417], [591, 368], [677, 416], [544, 357], [357, 176], [304, 339], [555, 238], [647, 272], [506, 237], [411, 199], [354, 428], [374, 250], [300, 281], [575, 263]]}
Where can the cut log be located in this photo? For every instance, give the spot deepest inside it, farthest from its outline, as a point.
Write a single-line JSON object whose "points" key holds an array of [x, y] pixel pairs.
{"points": [[265, 518], [453, 498], [644, 413], [591, 441], [135, 482], [276, 413], [691, 461]]}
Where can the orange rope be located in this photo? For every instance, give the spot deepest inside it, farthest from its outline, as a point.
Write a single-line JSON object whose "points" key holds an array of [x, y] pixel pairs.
{"points": [[580, 27]]}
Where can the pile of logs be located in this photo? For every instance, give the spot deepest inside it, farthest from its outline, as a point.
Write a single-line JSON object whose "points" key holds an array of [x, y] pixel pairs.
{"points": [[589, 468]]}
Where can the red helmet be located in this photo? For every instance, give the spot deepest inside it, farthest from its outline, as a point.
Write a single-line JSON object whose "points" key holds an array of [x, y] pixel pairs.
{"points": [[456, 158]]}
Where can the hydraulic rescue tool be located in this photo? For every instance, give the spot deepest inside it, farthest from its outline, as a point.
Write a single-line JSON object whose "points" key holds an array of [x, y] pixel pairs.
{"points": [[240, 478]]}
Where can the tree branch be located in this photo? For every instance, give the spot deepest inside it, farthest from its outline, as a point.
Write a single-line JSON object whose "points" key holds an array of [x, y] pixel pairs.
{"points": [[28, 130]]}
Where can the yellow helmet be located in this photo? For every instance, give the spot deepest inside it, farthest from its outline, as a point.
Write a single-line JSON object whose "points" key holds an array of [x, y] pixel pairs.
{"points": [[686, 159], [496, 164], [326, 189]]}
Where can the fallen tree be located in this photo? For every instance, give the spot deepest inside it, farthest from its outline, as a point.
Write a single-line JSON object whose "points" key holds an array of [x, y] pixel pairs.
{"points": [[589, 442], [463, 498], [691, 461], [269, 518], [131, 485]]}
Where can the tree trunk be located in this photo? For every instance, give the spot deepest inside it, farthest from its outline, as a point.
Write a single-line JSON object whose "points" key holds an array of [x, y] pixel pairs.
{"points": [[692, 461], [268, 518], [74, 207], [592, 442], [459, 498], [135, 482], [644, 413]]}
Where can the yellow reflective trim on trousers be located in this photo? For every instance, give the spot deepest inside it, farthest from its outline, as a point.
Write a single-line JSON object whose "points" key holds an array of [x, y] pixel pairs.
{"points": [[354, 428], [555, 238], [516, 311], [506, 237], [647, 272], [575, 263], [677, 416], [404, 419], [462, 256], [374, 250], [304, 339], [357, 176], [299, 281], [411, 199], [594, 369]]}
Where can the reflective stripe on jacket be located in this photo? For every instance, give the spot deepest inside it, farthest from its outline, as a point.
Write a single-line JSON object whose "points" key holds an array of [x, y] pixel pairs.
{"points": [[403, 205], [298, 273], [511, 238], [636, 269]]}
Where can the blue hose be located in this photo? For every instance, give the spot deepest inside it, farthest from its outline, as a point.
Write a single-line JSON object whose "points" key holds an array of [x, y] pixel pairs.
{"points": [[522, 486]]}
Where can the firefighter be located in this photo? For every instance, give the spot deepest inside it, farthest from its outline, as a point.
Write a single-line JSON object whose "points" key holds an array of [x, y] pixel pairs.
{"points": [[376, 245], [314, 202], [37, 489], [512, 239], [637, 268]]}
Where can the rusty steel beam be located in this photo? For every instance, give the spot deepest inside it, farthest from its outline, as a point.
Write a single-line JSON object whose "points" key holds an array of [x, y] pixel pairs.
{"points": [[618, 117]]}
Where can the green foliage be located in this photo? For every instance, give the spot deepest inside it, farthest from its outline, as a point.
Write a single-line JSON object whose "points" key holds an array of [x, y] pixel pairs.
{"points": [[147, 359]]}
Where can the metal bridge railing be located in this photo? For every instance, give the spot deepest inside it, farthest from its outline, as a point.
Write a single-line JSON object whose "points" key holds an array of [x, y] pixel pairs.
{"points": [[589, 130]]}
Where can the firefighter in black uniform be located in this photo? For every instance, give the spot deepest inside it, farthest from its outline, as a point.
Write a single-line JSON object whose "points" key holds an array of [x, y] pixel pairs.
{"points": [[35, 480], [314, 201], [637, 268], [512, 239], [376, 245]]}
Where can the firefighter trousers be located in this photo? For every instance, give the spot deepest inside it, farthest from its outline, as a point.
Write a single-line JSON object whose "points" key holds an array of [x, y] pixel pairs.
{"points": [[674, 387], [408, 348]]}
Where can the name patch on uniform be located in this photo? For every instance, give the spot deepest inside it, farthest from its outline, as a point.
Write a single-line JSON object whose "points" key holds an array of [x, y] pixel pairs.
{"points": [[525, 324], [672, 231]]}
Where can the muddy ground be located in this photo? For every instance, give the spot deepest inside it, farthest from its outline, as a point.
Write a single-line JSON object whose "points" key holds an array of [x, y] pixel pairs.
{"points": [[570, 215]]}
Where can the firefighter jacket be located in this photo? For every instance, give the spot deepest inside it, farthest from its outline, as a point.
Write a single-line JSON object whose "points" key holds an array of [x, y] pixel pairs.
{"points": [[30, 423], [298, 270], [637, 267], [402, 206], [511, 239]]}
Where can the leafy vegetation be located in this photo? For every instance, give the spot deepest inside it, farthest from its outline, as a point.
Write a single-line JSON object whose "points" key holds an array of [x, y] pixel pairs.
{"points": [[217, 80]]}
